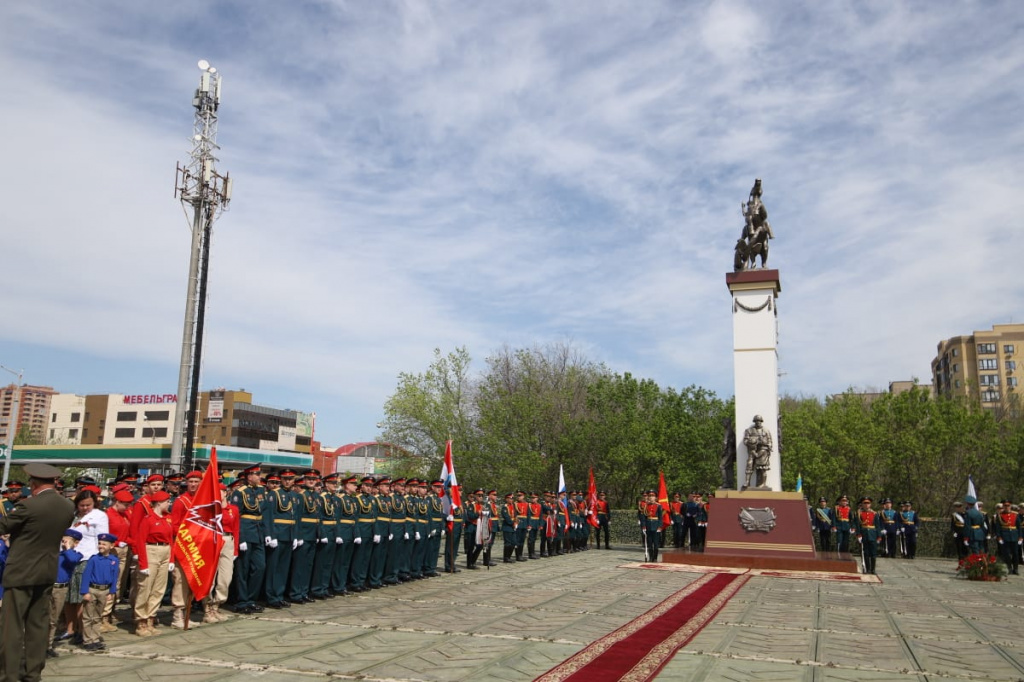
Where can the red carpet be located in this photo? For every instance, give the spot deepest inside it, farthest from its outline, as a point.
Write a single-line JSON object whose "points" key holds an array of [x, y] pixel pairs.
{"points": [[640, 649]]}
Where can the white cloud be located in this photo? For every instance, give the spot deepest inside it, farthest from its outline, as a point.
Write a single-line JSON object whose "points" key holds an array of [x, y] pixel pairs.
{"points": [[412, 175]]}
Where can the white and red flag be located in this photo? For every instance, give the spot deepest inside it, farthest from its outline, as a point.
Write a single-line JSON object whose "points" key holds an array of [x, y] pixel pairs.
{"points": [[200, 535], [452, 493]]}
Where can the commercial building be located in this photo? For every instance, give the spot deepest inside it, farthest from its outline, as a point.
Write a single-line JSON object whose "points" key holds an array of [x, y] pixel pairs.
{"points": [[224, 418], [982, 365], [33, 410]]}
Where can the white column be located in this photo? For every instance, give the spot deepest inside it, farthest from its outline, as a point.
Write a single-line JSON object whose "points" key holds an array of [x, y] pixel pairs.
{"points": [[756, 362]]}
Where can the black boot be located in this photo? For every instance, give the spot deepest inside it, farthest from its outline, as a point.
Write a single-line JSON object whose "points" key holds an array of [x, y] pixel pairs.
{"points": [[508, 555], [533, 548], [519, 553]]}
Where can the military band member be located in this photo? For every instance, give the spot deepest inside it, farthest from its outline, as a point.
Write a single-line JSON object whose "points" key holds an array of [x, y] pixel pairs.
{"points": [[1008, 535], [866, 527], [908, 525], [822, 520], [250, 499], [889, 526], [843, 523]]}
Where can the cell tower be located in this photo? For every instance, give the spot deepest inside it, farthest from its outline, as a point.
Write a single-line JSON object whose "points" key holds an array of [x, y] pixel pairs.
{"points": [[199, 185]]}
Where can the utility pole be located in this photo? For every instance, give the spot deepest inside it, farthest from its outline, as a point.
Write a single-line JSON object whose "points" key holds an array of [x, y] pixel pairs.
{"points": [[12, 422], [200, 186]]}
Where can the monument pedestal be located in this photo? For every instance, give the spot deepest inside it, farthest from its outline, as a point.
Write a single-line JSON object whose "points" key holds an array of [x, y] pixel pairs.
{"points": [[761, 529]]}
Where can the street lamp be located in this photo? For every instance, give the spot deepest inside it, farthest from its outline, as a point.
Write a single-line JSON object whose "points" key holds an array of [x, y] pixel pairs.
{"points": [[12, 422]]}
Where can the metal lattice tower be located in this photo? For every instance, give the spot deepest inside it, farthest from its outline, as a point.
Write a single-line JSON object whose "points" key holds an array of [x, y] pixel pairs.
{"points": [[201, 187]]}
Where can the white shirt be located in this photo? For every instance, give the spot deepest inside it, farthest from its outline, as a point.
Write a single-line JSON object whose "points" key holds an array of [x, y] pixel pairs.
{"points": [[90, 526]]}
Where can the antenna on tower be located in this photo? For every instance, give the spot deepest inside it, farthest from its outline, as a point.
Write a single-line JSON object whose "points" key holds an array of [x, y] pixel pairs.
{"points": [[198, 185]]}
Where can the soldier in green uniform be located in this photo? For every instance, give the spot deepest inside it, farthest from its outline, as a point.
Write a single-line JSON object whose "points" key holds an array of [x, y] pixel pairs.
{"points": [[362, 540], [509, 526], [397, 534], [866, 522], [471, 518], [309, 508], [327, 542], [14, 490], [381, 531], [250, 498], [435, 527], [347, 515], [454, 534], [280, 512], [888, 529], [535, 524], [842, 518], [420, 539], [650, 516], [409, 534], [975, 526]]}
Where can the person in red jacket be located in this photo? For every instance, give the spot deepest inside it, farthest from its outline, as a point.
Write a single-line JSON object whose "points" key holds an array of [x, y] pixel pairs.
{"points": [[181, 592], [153, 548], [226, 562], [119, 523]]}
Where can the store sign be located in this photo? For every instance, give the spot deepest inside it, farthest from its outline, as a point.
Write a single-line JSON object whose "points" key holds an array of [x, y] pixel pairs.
{"points": [[152, 399], [215, 408]]}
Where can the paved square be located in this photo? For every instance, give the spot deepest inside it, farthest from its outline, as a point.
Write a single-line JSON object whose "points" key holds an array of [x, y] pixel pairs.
{"points": [[516, 622]]}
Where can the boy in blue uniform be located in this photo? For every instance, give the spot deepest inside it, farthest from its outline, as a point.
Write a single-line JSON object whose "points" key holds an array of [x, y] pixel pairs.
{"points": [[67, 561], [99, 585]]}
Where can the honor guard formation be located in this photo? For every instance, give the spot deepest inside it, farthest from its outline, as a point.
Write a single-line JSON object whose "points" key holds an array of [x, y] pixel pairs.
{"points": [[291, 538]]}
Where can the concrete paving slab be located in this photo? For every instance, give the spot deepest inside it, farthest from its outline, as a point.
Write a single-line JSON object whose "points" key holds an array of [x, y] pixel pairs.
{"points": [[515, 622]]}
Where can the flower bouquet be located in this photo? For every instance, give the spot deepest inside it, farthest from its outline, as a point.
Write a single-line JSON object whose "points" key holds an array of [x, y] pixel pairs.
{"points": [[981, 567]]}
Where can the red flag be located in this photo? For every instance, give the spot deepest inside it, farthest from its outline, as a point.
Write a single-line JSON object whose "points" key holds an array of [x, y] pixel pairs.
{"points": [[592, 501], [200, 535], [666, 518]]}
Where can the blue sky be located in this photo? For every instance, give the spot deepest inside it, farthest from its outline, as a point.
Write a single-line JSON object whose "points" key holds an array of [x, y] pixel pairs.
{"points": [[412, 175]]}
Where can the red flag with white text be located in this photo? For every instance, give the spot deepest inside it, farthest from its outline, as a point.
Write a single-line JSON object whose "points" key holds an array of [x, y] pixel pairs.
{"points": [[200, 536]]}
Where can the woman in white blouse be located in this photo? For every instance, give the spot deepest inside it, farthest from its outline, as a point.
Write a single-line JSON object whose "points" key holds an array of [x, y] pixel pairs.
{"points": [[90, 522]]}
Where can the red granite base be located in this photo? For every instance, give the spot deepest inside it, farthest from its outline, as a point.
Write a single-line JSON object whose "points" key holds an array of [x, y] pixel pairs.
{"points": [[832, 562]]}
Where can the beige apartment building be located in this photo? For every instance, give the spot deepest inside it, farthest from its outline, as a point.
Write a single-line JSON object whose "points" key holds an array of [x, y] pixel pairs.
{"points": [[982, 365], [33, 410]]}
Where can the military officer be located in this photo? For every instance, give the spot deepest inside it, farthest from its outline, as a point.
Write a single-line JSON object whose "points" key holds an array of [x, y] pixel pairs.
{"points": [[309, 509], [490, 511], [866, 527], [650, 513], [823, 521], [535, 524], [547, 534], [250, 498], [471, 519], [398, 534], [451, 548], [362, 538], [522, 527], [1008, 534], [281, 517], [842, 518], [381, 532], [327, 542], [509, 526], [889, 526], [348, 514], [421, 539], [957, 528], [435, 528], [975, 527], [908, 524], [604, 520]]}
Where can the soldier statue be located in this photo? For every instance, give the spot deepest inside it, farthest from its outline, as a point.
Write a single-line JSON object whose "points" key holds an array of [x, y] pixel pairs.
{"points": [[753, 242], [759, 452]]}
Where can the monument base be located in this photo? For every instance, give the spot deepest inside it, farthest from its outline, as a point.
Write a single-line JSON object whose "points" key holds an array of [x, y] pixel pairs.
{"points": [[761, 529]]}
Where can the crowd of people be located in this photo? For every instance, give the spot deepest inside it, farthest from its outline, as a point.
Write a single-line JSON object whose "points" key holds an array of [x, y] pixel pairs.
{"points": [[290, 539]]}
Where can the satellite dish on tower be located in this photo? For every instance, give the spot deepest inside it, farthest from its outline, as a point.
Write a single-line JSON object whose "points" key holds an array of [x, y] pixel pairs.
{"points": [[203, 64]]}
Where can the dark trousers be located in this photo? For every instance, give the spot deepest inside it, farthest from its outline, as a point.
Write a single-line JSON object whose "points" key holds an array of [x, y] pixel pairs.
{"points": [[322, 565], [451, 548], [302, 571], [691, 533], [843, 540], [605, 527], [25, 621], [278, 561], [870, 550], [340, 569], [1008, 550], [825, 536], [249, 573], [360, 558], [678, 534]]}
